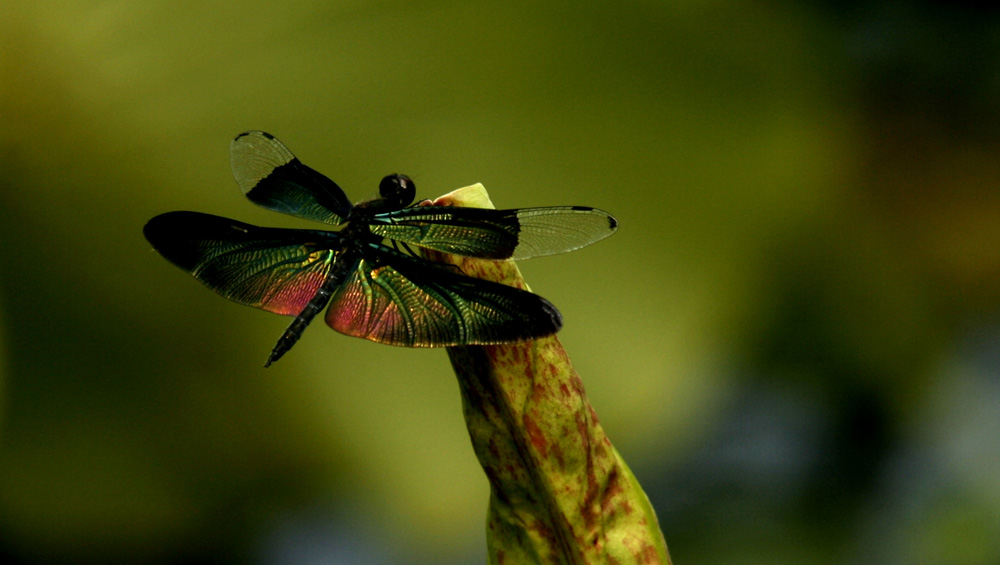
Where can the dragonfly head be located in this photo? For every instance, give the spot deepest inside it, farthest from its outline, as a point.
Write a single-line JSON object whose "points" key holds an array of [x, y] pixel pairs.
{"points": [[398, 190]]}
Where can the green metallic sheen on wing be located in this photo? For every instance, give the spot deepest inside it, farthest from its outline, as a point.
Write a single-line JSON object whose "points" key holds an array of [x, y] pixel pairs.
{"points": [[273, 269], [280, 280], [497, 234], [412, 304]]}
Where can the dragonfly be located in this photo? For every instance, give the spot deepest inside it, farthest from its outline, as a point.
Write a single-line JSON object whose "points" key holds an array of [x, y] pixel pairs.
{"points": [[384, 293]]}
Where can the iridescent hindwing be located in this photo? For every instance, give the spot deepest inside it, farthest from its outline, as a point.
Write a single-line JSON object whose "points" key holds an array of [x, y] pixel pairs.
{"points": [[278, 270], [392, 298]]}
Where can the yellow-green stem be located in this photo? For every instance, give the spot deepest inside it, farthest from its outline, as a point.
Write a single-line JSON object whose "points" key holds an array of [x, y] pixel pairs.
{"points": [[560, 492]]}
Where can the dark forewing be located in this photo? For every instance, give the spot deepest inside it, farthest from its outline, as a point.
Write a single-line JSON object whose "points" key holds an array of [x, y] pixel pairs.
{"points": [[392, 298], [277, 270], [497, 234], [271, 176]]}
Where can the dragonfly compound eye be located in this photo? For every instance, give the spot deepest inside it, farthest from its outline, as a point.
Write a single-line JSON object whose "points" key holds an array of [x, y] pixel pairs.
{"points": [[397, 188]]}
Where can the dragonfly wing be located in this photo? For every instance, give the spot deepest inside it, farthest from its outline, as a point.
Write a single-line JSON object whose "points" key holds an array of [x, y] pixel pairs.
{"points": [[497, 234], [272, 177], [273, 269], [392, 298]]}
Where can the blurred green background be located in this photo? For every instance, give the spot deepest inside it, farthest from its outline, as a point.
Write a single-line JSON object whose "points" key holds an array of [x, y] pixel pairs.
{"points": [[794, 339]]}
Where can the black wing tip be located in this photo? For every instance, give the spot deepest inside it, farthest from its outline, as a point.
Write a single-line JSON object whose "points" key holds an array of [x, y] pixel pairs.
{"points": [[612, 221], [175, 235], [159, 229], [254, 132], [163, 233], [540, 319], [555, 317]]}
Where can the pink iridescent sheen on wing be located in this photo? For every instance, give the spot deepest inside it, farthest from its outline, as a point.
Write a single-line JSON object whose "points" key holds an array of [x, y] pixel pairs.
{"points": [[252, 270], [290, 296], [413, 303], [387, 308]]}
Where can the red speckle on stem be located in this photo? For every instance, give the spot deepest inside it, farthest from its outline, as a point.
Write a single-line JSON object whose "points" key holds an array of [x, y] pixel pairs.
{"points": [[536, 436]]}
